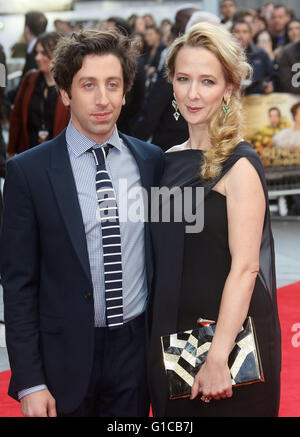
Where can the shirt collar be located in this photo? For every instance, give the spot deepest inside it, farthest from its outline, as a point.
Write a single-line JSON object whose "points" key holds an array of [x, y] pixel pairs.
{"points": [[80, 144]]}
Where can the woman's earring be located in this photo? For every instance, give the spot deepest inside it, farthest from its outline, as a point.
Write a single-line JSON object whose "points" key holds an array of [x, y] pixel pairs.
{"points": [[176, 114], [226, 107]]}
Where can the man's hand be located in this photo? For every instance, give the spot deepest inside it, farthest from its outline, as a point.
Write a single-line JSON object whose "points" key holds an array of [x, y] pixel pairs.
{"points": [[38, 404]]}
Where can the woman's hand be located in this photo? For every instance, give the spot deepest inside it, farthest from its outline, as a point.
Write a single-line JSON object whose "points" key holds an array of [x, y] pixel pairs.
{"points": [[213, 379]]}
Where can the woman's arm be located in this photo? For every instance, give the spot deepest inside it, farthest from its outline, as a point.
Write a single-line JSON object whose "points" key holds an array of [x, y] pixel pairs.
{"points": [[246, 211]]}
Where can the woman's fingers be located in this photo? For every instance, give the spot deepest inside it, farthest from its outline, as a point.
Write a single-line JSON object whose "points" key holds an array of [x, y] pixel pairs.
{"points": [[196, 389]]}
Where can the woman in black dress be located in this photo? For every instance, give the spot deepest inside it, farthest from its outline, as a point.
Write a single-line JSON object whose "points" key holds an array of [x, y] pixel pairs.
{"points": [[226, 271]]}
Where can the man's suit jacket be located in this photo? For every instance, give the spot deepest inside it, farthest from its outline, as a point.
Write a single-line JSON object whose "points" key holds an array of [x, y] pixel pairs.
{"points": [[30, 63], [48, 290]]}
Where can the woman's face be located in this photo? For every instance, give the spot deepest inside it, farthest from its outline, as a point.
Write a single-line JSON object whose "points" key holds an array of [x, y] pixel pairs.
{"points": [[140, 25], [42, 59], [199, 84], [294, 31], [264, 40], [152, 37]]}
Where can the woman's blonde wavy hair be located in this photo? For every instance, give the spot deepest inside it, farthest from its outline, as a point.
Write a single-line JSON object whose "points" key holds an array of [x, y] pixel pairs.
{"points": [[224, 129]]}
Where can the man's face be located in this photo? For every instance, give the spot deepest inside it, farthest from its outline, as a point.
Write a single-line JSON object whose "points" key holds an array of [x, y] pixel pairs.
{"points": [[274, 116], [228, 9], [242, 32], [279, 19], [97, 96]]}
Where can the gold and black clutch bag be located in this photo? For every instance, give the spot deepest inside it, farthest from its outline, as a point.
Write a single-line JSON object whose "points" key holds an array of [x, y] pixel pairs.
{"points": [[185, 352]]}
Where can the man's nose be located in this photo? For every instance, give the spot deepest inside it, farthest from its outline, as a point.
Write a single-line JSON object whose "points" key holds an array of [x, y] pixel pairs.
{"points": [[101, 96]]}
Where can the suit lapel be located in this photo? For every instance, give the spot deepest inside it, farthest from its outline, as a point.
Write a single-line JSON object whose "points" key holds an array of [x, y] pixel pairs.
{"points": [[63, 183], [146, 172], [141, 160]]}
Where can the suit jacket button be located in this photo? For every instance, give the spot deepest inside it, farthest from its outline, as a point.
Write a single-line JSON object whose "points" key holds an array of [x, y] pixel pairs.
{"points": [[88, 295]]}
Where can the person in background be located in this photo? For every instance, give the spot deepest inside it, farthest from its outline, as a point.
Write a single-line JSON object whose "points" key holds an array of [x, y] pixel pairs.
{"points": [[275, 119], [137, 24], [289, 136], [118, 23], [165, 22], [293, 30], [63, 27], [263, 71], [259, 23], [38, 113], [135, 96], [149, 20], [227, 10], [165, 31], [156, 121], [264, 40], [35, 24], [142, 46], [277, 24], [267, 10], [153, 39], [182, 16], [244, 15]]}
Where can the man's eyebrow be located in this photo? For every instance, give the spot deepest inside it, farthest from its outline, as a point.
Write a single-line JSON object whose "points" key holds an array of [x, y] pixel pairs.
{"points": [[82, 79]]}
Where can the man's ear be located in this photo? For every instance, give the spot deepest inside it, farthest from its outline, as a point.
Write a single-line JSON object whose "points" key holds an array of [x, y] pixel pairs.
{"points": [[65, 97]]}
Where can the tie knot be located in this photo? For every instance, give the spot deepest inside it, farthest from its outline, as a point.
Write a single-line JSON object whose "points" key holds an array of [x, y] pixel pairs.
{"points": [[100, 153]]}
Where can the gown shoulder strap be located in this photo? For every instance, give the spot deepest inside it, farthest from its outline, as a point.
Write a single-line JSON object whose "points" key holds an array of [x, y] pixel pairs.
{"points": [[243, 149]]}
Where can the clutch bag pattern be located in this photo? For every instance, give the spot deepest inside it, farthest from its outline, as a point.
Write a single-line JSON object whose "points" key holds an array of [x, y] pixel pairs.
{"points": [[185, 352]]}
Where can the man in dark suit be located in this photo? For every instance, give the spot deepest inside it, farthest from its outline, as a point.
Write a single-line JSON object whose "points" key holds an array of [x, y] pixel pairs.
{"points": [[277, 25], [72, 350], [263, 70], [35, 24], [156, 119]]}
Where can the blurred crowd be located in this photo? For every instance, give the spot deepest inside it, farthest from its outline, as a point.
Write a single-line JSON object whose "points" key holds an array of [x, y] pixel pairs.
{"points": [[34, 113]]}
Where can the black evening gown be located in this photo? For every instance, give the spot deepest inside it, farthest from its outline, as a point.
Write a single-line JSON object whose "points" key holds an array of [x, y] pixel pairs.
{"points": [[190, 273]]}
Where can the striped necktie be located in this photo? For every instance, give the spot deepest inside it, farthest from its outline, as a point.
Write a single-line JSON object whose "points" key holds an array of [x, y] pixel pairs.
{"points": [[111, 240]]}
